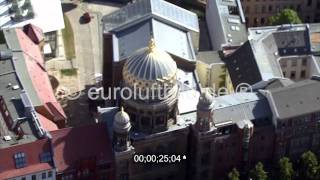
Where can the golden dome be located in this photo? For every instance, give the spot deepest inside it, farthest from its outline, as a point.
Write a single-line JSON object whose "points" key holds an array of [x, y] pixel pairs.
{"points": [[150, 64]]}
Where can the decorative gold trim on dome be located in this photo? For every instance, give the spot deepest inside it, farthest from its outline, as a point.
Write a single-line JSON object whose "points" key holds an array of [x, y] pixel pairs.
{"points": [[152, 45]]}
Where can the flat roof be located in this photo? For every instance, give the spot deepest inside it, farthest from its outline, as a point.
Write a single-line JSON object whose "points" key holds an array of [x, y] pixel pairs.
{"points": [[159, 9], [48, 15], [306, 99], [21, 66], [10, 90]]}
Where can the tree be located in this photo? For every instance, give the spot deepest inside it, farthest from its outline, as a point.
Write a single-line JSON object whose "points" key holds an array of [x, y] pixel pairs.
{"points": [[308, 166], [286, 16], [286, 171], [258, 172], [234, 174]]}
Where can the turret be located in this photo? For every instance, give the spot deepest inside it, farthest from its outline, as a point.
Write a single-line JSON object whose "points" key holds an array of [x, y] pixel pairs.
{"points": [[205, 112], [121, 129]]}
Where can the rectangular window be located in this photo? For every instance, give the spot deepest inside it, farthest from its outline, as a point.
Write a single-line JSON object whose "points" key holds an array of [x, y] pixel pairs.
{"points": [[283, 64], [233, 10], [293, 75], [294, 63], [45, 157], [159, 121], [20, 160], [33, 177], [44, 175], [304, 62], [303, 74], [49, 174], [317, 115]]}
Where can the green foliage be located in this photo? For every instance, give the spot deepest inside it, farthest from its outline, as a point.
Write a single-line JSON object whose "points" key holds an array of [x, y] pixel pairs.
{"points": [[286, 16], [223, 77], [286, 171], [68, 39], [258, 172], [308, 166], [234, 174], [69, 72]]}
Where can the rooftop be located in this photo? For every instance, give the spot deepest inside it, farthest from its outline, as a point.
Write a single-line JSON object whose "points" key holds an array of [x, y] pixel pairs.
{"points": [[48, 15], [29, 65], [240, 106], [32, 153], [232, 21], [146, 9], [265, 47], [93, 141], [306, 99], [10, 93], [135, 24]]}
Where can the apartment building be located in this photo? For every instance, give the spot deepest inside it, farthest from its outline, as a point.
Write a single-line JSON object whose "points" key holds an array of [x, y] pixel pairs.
{"points": [[257, 12]]}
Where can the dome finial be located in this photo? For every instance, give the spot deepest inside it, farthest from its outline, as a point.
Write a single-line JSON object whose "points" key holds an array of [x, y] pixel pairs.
{"points": [[152, 45], [122, 110]]}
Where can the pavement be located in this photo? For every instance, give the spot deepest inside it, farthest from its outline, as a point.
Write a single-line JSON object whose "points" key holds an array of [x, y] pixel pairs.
{"points": [[88, 60]]}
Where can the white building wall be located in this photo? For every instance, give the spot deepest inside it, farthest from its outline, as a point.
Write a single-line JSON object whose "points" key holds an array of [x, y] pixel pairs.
{"points": [[214, 24], [294, 68]]}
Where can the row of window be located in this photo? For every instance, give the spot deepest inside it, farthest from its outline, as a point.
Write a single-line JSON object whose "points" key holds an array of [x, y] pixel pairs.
{"points": [[293, 76], [20, 159], [294, 63], [44, 175], [308, 2]]}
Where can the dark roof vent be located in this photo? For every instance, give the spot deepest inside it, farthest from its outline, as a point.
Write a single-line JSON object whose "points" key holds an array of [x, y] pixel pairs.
{"points": [[5, 55]]}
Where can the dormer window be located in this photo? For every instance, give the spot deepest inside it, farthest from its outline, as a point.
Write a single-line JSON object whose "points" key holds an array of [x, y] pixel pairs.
{"points": [[20, 160]]}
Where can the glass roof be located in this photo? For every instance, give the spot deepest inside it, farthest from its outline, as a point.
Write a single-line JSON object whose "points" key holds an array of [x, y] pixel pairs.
{"points": [[147, 8]]}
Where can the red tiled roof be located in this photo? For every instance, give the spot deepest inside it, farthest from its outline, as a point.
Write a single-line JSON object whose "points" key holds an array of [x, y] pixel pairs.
{"points": [[38, 74], [72, 145], [34, 32], [32, 151], [25, 171], [47, 124]]}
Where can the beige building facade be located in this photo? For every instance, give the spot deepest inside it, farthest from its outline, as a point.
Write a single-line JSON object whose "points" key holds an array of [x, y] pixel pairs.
{"points": [[212, 72], [257, 12]]}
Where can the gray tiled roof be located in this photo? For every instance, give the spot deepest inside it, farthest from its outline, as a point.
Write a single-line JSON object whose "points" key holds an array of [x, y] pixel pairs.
{"points": [[258, 58], [297, 99], [240, 106]]}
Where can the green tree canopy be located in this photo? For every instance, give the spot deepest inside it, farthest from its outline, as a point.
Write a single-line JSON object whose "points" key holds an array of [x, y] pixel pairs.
{"points": [[286, 171], [308, 166], [234, 174], [258, 172], [286, 16]]}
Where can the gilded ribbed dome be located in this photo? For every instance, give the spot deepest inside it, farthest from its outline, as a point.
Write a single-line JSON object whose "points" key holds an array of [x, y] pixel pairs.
{"points": [[150, 64]]}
